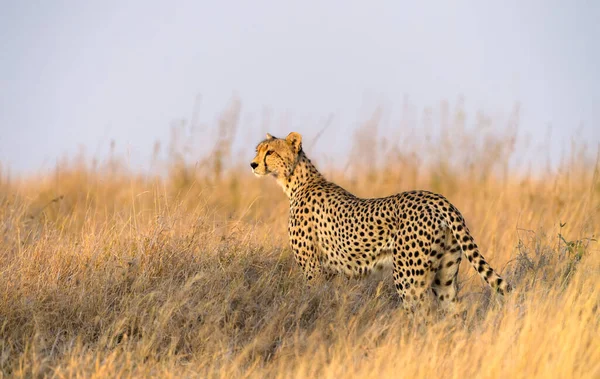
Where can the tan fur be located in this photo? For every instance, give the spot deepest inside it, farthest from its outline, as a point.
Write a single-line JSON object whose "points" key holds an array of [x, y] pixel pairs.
{"points": [[420, 233]]}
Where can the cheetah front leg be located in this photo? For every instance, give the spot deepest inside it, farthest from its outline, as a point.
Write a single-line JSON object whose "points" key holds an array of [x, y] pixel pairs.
{"points": [[306, 258], [303, 244]]}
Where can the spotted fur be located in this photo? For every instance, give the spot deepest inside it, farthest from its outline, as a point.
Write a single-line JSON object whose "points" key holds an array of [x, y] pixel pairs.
{"points": [[419, 233]]}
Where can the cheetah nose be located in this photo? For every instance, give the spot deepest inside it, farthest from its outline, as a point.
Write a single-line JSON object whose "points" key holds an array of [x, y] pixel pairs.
{"points": [[254, 165]]}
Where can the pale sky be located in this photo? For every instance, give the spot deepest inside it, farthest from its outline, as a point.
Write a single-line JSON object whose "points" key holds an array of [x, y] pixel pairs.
{"points": [[82, 73]]}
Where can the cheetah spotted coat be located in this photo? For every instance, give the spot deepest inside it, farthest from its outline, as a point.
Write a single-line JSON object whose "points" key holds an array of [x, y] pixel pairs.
{"points": [[419, 233]]}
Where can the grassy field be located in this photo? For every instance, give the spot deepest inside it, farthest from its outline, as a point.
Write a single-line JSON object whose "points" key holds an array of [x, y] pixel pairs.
{"points": [[104, 272]]}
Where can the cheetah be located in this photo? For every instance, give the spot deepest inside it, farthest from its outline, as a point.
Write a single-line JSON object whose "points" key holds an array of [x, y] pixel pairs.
{"points": [[419, 234]]}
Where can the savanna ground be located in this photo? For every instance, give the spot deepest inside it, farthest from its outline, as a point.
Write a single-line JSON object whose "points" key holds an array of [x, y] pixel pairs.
{"points": [[105, 272]]}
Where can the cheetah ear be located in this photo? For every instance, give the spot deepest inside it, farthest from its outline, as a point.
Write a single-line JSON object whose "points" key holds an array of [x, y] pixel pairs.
{"points": [[295, 140], [269, 136]]}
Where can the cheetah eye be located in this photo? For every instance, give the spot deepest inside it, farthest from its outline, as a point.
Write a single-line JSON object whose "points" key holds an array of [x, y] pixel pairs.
{"points": [[269, 153]]}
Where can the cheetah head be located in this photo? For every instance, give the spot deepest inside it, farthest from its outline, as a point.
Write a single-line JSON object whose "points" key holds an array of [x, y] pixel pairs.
{"points": [[277, 156]]}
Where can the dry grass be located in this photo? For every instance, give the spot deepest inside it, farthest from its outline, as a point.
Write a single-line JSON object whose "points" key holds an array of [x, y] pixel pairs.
{"points": [[108, 273]]}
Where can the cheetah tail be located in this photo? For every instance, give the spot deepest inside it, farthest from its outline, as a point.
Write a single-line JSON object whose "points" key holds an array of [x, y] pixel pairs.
{"points": [[469, 248]]}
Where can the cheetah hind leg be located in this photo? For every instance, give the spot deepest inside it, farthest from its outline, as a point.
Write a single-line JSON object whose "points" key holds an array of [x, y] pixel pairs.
{"points": [[445, 286], [412, 280]]}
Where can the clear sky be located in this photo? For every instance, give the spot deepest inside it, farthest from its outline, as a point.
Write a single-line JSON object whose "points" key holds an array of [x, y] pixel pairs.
{"points": [[80, 73]]}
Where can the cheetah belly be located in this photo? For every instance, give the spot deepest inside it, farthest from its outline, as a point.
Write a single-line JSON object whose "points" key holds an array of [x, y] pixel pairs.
{"points": [[354, 264]]}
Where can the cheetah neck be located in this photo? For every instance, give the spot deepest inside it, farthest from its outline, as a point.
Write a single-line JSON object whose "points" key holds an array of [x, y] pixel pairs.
{"points": [[302, 172]]}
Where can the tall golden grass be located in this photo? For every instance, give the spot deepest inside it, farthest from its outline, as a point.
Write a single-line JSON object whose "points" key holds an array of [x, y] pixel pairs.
{"points": [[106, 272]]}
